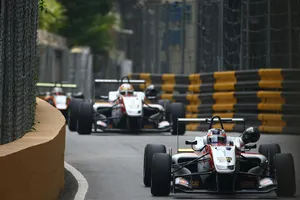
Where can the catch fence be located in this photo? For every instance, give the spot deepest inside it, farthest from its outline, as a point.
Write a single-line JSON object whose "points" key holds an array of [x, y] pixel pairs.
{"points": [[192, 36], [18, 56]]}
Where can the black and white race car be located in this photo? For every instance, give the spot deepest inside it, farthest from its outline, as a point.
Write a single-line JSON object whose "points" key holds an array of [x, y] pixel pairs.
{"points": [[220, 164], [121, 113]]}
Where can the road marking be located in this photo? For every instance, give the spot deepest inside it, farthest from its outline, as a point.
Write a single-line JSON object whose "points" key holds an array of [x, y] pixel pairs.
{"points": [[82, 182]]}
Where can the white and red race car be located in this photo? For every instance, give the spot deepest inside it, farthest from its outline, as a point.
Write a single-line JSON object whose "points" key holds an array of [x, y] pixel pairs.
{"points": [[220, 164], [126, 113], [58, 97]]}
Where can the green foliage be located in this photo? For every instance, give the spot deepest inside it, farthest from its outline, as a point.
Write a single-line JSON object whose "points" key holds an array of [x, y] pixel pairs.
{"points": [[51, 15], [88, 23], [41, 5]]}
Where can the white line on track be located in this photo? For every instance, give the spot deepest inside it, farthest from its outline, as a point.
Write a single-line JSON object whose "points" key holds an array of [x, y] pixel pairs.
{"points": [[82, 182]]}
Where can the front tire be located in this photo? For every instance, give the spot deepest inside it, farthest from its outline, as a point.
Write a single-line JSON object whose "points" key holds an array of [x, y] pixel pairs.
{"points": [[178, 111], [269, 151], [149, 151], [285, 175], [73, 114], [161, 174], [85, 118]]}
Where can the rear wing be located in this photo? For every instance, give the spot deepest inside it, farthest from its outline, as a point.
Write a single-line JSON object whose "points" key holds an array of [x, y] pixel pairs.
{"points": [[114, 81], [62, 85], [209, 120]]}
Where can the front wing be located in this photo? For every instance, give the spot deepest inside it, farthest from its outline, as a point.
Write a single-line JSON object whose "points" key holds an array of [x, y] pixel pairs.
{"points": [[200, 190], [143, 130]]}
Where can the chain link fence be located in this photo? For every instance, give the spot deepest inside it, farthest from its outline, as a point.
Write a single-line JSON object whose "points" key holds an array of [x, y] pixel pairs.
{"points": [[191, 36], [18, 63]]}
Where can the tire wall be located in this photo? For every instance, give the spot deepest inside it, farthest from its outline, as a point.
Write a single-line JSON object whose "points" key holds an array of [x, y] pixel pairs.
{"points": [[265, 98], [32, 167]]}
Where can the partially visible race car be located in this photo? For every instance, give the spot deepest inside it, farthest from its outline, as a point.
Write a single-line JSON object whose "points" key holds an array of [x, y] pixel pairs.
{"points": [[220, 164], [126, 110], [57, 97]]}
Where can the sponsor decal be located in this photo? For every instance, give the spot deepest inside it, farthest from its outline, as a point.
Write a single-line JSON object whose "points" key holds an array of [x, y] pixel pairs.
{"points": [[221, 159], [229, 159], [100, 123], [248, 183], [182, 181], [195, 183], [266, 182]]}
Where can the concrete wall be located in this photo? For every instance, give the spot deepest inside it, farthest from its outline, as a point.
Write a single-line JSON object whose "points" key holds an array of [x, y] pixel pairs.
{"points": [[32, 168]]}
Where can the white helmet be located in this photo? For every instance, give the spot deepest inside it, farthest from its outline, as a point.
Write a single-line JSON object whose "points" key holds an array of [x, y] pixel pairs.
{"points": [[57, 90], [126, 89]]}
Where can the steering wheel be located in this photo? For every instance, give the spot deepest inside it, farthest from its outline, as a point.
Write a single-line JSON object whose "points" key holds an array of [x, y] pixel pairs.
{"points": [[212, 122], [125, 77]]}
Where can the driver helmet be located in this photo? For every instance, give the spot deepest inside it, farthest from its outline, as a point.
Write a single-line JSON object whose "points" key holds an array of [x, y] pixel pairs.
{"points": [[216, 136], [57, 91], [126, 89]]}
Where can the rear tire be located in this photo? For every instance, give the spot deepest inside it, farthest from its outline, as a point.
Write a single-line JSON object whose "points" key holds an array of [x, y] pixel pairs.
{"points": [[285, 175], [73, 114], [149, 151], [178, 111], [85, 118], [161, 174], [269, 151]]}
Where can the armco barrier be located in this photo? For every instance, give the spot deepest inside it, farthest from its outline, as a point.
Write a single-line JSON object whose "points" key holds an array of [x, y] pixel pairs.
{"points": [[32, 167], [267, 98]]}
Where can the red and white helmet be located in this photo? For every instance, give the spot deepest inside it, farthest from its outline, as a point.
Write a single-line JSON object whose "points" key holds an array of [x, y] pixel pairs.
{"points": [[126, 89], [216, 136]]}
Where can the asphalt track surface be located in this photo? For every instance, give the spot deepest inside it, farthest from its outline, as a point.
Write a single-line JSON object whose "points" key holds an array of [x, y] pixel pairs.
{"points": [[112, 163]]}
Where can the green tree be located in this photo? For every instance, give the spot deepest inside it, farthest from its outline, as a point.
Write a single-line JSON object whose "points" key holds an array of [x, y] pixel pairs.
{"points": [[51, 15], [88, 23]]}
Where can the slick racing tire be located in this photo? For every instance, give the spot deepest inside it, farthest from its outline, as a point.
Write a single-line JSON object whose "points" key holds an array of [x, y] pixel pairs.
{"points": [[85, 118], [73, 114], [269, 151], [149, 151], [161, 174], [285, 175], [177, 111], [166, 104]]}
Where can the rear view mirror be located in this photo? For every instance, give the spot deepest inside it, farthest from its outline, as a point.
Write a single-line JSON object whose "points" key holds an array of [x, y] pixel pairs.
{"points": [[151, 92], [250, 135], [78, 95], [191, 142], [103, 97]]}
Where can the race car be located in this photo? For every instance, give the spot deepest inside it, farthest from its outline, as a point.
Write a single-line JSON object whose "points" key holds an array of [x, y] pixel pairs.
{"points": [[219, 164], [126, 110], [57, 97]]}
